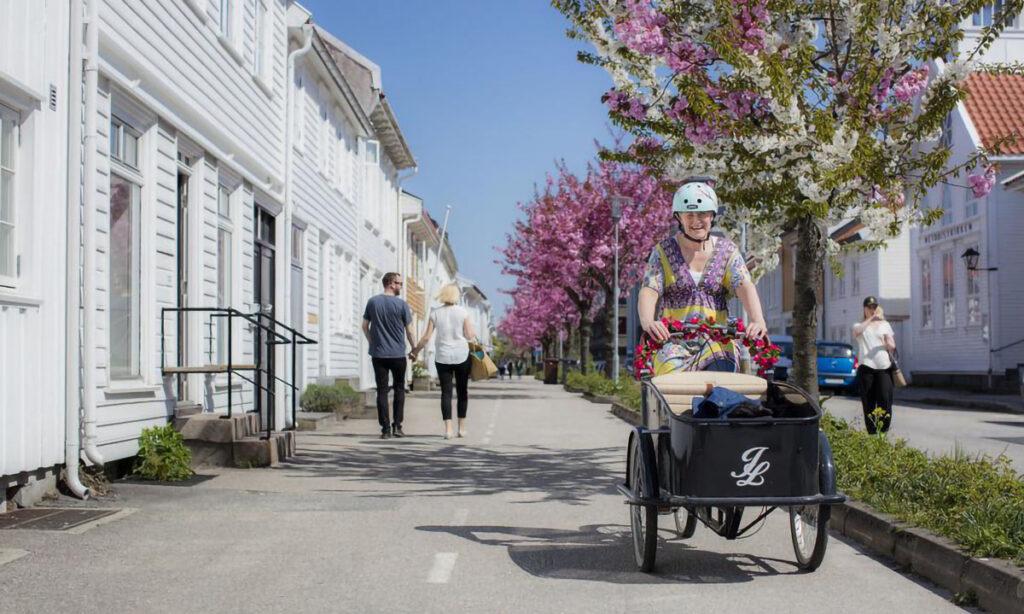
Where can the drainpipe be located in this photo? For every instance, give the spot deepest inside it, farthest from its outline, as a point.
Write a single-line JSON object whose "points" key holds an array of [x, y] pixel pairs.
{"points": [[72, 398], [289, 206], [400, 236], [92, 38]]}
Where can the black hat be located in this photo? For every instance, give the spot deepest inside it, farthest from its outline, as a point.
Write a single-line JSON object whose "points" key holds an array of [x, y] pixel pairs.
{"points": [[871, 302]]}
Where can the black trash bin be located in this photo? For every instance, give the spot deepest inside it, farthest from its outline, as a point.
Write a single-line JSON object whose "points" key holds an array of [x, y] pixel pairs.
{"points": [[550, 370]]}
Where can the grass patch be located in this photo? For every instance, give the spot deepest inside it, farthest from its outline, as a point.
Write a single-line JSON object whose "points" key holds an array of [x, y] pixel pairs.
{"points": [[976, 501]]}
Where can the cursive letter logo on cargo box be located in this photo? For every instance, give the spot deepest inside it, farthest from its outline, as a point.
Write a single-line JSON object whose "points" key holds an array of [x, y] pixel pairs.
{"points": [[753, 468]]}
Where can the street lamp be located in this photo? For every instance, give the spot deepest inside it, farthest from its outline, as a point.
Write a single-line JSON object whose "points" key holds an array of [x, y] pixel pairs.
{"points": [[970, 258], [618, 203]]}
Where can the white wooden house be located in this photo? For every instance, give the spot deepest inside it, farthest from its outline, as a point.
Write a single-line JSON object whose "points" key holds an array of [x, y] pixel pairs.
{"points": [[386, 162]]}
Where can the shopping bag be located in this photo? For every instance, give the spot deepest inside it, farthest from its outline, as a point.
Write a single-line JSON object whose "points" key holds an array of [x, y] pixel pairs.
{"points": [[898, 378], [482, 366]]}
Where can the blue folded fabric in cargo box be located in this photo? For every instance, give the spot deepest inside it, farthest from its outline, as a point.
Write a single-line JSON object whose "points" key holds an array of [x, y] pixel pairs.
{"points": [[723, 403]]}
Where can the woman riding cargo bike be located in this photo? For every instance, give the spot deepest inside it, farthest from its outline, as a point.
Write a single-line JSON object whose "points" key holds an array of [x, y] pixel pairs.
{"points": [[693, 274], [713, 442]]}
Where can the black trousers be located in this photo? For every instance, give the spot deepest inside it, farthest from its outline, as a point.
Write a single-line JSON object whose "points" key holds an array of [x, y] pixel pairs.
{"points": [[382, 367], [876, 388], [461, 374]]}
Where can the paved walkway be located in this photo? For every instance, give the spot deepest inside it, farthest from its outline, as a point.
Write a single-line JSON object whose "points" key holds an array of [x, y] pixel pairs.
{"points": [[521, 516]]}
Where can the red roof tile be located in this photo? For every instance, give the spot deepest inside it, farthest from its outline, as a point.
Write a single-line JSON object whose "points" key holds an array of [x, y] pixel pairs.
{"points": [[995, 104]]}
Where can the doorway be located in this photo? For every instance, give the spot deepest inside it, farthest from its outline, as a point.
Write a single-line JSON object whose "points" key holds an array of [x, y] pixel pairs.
{"points": [[263, 294]]}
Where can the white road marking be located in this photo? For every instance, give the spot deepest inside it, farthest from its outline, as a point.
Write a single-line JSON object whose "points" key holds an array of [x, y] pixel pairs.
{"points": [[8, 555], [444, 565]]}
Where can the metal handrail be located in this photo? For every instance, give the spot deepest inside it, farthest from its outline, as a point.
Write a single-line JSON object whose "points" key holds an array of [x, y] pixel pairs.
{"points": [[273, 338]]}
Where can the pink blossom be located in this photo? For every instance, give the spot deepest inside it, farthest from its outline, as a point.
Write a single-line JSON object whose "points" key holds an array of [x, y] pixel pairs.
{"points": [[686, 57], [881, 91], [641, 30], [911, 84], [981, 183], [622, 103]]}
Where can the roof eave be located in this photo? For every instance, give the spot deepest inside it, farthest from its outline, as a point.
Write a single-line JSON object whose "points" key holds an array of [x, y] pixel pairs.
{"points": [[385, 124], [363, 121]]}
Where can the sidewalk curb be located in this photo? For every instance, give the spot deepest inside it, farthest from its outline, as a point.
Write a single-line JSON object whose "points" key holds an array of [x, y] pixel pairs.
{"points": [[997, 584], [1003, 408]]}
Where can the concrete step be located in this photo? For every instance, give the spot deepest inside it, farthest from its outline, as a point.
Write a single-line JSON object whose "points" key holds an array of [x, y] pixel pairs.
{"points": [[312, 421], [218, 441], [186, 408], [255, 452]]}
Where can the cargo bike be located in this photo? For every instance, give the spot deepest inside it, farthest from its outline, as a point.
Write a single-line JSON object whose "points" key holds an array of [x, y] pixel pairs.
{"points": [[710, 470]]}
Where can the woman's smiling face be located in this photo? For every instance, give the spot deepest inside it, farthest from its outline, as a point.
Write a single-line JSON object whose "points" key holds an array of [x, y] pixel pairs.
{"points": [[697, 224]]}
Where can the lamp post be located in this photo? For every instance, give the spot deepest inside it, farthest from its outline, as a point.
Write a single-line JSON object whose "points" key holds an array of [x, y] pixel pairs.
{"points": [[970, 258], [618, 202]]}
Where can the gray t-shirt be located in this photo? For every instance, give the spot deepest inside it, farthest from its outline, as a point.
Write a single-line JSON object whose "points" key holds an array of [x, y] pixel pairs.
{"points": [[388, 316]]}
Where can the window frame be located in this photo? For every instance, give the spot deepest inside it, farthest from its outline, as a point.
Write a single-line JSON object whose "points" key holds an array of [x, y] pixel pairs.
{"points": [[12, 117], [926, 294], [342, 317], [261, 39], [948, 290], [225, 279], [135, 372]]}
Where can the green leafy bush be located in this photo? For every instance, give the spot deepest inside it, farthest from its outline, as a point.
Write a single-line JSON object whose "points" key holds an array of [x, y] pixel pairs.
{"points": [[163, 455], [627, 391], [976, 501], [319, 398], [419, 370]]}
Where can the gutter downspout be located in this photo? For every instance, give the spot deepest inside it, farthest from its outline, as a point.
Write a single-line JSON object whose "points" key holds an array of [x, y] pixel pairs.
{"points": [[307, 31], [72, 393], [92, 38], [400, 236], [289, 206]]}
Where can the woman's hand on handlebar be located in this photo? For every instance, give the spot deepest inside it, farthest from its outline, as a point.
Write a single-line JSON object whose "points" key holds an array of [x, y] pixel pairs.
{"points": [[756, 329], [656, 330]]}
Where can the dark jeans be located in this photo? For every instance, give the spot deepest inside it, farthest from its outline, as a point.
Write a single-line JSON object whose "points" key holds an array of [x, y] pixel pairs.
{"points": [[875, 391], [461, 374], [381, 368]]}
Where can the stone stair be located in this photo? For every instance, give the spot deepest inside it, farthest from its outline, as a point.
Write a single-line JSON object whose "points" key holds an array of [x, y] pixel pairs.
{"points": [[218, 441]]}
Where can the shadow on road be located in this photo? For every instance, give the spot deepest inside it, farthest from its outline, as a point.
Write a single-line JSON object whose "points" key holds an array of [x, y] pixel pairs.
{"points": [[603, 553], [419, 467]]}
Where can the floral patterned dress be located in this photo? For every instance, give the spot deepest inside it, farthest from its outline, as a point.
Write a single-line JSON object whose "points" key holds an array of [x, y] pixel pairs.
{"points": [[681, 297]]}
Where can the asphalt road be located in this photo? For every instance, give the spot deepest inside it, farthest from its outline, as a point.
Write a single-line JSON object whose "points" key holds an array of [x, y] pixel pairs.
{"points": [[945, 430], [521, 516]]}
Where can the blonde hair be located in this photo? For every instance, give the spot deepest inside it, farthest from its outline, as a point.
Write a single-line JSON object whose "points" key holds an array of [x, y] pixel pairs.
{"points": [[450, 294], [878, 311]]}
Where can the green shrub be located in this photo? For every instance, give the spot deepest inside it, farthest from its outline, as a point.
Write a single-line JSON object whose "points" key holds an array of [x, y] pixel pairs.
{"points": [[163, 455], [976, 501], [338, 397], [627, 391]]}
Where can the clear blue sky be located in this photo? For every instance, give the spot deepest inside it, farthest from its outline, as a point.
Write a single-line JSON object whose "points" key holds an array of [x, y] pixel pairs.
{"points": [[488, 94]]}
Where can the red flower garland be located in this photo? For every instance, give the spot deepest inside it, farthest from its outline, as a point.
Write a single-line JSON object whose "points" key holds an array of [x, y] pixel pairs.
{"points": [[762, 352]]}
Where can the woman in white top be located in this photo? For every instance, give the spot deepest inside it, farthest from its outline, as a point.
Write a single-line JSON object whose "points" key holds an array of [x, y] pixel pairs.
{"points": [[451, 354], [875, 340]]}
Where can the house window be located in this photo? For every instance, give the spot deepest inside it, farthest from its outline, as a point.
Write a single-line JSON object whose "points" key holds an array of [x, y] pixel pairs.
{"points": [[974, 316], [227, 17], [124, 143], [342, 292], [124, 278], [948, 291], [261, 48], [298, 242], [986, 16], [224, 265], [926, 293], [855, 277], [8, 245], [970, 209]]}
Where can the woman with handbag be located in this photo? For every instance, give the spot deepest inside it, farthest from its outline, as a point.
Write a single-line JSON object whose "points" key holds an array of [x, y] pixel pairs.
{"points": [[451, 354], [876, 344]]}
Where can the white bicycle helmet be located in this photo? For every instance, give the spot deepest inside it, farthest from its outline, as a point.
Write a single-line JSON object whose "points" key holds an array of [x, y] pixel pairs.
{"points": [[694, 197]]}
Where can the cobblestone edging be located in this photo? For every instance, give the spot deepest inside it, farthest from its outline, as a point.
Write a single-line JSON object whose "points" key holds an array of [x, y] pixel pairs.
{"points": [[997, 584]]}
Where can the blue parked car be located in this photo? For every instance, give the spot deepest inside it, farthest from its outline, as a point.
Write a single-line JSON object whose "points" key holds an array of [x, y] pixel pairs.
{"points": [[837, 364]]}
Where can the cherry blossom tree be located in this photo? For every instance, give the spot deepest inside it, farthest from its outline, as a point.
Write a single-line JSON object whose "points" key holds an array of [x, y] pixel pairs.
{"points": [[808, 113], [564, 245]]}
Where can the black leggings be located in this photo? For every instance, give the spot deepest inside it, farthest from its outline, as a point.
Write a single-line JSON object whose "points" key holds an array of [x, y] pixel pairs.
{"points": [[461, 373], [875, 391], [382, 367]]}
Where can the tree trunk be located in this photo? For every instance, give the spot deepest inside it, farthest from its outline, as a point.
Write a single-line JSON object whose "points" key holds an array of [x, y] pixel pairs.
{"points": [[584, 335], [602, 325], [811, 236]]}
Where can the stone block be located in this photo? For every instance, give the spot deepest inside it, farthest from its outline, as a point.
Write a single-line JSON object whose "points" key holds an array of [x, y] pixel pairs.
{"points": [[875, 530], [312, 421], [35, 490], [998, 584], [931, 556], [837, 521], [253, 452]]}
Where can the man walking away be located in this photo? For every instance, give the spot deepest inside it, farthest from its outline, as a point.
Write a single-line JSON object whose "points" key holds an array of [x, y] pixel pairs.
{"points": [[386, 320]]}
